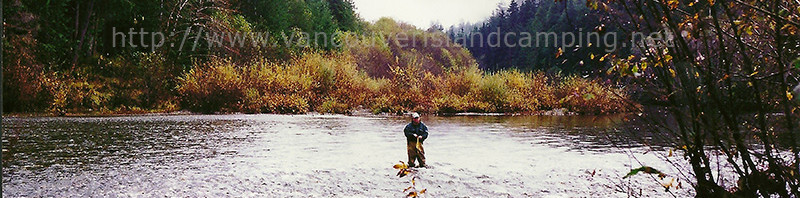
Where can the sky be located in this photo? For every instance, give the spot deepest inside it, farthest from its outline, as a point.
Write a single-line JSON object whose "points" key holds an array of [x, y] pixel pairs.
{"points": [[421, 13]]}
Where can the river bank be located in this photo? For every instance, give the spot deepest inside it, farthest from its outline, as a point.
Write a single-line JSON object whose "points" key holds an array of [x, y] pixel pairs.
{"points": [[360, 112]]}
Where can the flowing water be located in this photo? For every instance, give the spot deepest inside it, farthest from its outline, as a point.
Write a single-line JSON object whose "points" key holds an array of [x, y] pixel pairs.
{"points": [[322, 156]]}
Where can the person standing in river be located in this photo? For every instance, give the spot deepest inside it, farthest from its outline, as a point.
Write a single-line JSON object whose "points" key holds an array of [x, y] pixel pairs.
{"points": [[416, 132]]}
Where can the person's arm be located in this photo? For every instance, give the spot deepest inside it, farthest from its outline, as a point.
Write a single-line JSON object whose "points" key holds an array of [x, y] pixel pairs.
{"points": [[424, 132], [409, 133]]}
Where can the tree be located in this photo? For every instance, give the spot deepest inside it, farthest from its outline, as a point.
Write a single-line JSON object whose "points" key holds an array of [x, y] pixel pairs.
{"points": [[722, 73], [533, 17], [344, 14]]}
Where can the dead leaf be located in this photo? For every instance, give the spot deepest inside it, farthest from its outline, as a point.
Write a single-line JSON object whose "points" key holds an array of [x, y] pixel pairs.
{"points": [[402, 165], [673, 4], [409, 188], [403, 173], [559, 53]]}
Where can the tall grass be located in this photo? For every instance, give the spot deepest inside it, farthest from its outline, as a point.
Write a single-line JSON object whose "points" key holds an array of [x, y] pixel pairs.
{"points": [[314, 82], [511, 91], [121, 84], [382, 73], [333, 84], [218, 86], [591, 97]]}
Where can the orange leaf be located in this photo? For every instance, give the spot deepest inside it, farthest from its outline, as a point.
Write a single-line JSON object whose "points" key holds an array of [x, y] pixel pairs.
{"points": [[403, 173], [400, 166], [604, 58], [559, 53], [409, 188], [672, 4]]}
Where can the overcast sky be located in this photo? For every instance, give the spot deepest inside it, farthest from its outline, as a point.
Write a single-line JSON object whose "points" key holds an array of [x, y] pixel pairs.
{"points": [[422, 12]]}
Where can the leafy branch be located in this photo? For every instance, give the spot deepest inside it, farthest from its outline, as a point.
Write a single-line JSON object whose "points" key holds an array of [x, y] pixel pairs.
{"points": [[404, 170]]}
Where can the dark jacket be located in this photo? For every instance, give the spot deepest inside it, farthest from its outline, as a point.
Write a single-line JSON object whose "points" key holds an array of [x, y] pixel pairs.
{"points": [[420, 129]]}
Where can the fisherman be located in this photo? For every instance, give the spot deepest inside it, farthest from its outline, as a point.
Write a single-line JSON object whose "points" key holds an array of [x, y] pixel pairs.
{"points": [[416, 132]]}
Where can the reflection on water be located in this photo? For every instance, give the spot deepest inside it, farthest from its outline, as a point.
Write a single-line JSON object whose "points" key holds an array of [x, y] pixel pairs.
{"points": [[307, 155], [592, 133], [88, 142]]}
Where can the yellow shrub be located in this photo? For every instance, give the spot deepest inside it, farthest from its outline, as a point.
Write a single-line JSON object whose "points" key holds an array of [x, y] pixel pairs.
{"points": [[527, 92], [335, 84], [217, 86], [591, 97]]}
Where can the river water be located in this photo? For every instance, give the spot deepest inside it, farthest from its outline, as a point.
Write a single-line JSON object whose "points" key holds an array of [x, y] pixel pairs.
{"points": [[323, 156]]}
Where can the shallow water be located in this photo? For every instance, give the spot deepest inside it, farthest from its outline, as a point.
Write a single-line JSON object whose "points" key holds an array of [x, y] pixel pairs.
{"points": [[321, 156]]}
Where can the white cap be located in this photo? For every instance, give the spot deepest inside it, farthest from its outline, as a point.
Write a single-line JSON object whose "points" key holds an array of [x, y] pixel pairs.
{"points": [[414, 115]]}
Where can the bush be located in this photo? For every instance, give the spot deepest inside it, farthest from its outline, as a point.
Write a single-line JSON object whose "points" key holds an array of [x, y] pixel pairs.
{"points": [[493, 90], [314, 82], [217, 86], [25, 82], [375, 72], [334, 84], [507, 91], [78, 94], [338, 85], [527, 92], [591, 97]]}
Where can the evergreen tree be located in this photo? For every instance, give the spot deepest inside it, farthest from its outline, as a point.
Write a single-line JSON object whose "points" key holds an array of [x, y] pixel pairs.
{"points": [[344, 13], [534, 17]]}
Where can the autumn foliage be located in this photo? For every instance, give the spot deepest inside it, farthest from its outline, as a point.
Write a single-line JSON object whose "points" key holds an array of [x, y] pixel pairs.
{"points": [[404, 170], [385, 77], [384, 66]]}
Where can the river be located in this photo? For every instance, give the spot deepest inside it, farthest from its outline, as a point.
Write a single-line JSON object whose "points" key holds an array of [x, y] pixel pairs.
{"points": [[323, 156]]}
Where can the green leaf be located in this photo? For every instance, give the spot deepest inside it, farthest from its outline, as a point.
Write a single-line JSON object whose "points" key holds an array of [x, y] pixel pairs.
{"points": [[797, 63]]}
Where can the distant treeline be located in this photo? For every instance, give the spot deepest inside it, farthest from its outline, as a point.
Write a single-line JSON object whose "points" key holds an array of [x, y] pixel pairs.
{"points": [[540, 17]]}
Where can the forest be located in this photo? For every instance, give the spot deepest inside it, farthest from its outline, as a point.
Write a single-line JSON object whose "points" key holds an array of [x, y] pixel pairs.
{"points": [[69, 57], [534, 17]]}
